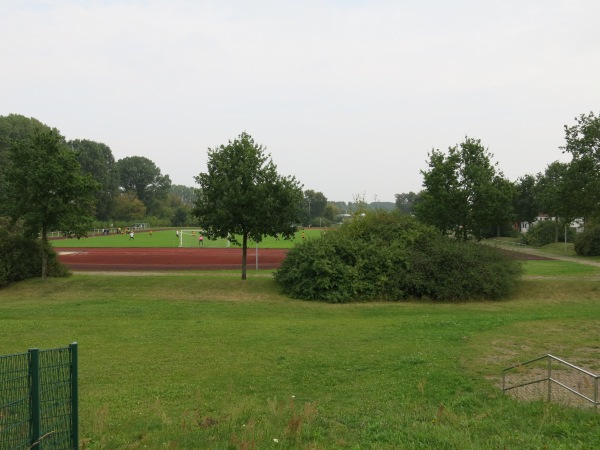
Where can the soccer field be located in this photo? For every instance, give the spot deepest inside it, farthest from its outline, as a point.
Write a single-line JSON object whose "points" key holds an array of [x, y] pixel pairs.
{"points": [[171, 239]]}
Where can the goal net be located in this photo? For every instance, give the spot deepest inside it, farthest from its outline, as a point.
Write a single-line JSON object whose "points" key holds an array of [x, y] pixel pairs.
{"points": [[191, 238]]}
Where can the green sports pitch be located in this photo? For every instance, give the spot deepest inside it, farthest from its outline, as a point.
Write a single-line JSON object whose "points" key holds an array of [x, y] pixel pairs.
{"points": [[172, 238]]}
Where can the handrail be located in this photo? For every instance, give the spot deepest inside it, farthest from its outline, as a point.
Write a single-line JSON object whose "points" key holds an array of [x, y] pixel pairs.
{"points": [[587, 372], [548, 378], [526, 362]]}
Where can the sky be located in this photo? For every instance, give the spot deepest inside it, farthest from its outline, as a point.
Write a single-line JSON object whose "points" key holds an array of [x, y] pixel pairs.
{"points": [[347, 96]]}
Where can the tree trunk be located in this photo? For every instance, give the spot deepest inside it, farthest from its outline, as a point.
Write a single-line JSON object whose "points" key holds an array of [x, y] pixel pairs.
{"points": [[244, 253], [44, 254]]}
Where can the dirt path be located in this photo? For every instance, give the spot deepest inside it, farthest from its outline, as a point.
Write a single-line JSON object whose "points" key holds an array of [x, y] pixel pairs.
{"points": [[543, 255]]}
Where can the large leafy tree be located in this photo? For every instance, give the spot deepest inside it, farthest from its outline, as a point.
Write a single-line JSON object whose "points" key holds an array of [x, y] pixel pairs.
{"points": [[181, 199], [583, 143], [241, 193], [406, 201], [140, 175], [46, 189], [331, 211], [463, 192], [314, 205], [502, 210], [14, 128], [186, 194], [129, 207], [558, 191], [97, 160], [526, 204]]}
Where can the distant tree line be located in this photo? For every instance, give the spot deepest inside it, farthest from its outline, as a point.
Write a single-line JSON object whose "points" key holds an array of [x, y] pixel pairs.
{"points": [[466, 195], [50, 183], [130, 189]]}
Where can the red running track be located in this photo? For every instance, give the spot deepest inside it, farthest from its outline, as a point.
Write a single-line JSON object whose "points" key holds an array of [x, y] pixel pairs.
{"points": [[127, 259]]}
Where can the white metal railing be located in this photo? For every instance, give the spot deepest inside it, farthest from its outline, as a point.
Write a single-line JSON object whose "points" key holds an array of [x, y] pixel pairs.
{"points": [[551, 378]]}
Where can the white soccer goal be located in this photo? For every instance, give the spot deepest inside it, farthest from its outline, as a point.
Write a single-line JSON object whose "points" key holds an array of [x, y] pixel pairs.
{"points": [[189, 238]]}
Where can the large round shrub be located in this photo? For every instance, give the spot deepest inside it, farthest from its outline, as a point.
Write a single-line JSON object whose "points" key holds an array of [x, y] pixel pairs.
{"points": [[21, 258], [588, 242], [390, 256]]}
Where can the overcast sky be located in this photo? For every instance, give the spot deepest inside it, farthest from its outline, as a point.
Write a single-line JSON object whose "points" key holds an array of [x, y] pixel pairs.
{"points": [[348, 96]]}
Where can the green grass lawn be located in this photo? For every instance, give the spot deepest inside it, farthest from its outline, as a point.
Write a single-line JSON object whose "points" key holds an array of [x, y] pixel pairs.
{"points": [[203, 360], [169, 238], [556, 268]]}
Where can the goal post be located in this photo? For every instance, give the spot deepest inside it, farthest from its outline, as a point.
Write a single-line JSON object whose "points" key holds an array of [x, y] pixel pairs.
{"points": [[187, 238]]}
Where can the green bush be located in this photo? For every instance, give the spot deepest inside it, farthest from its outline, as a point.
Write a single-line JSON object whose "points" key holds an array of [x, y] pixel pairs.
{"points": [[547, 232], [389, 256], [588, 242], [455, 270], [21, 258]]}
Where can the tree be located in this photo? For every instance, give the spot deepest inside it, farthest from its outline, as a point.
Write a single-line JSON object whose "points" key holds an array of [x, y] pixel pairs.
{"points": [[358, 205], [241, 193], [558, 193], [314, 205], [502, 205], [46, 189], [14, 128], [331, 211], [129, 207], [185, 193], [97, 160], [180, 217], [583, 143], [463, 194], [526, 205], [405, 202], [140, 175]]}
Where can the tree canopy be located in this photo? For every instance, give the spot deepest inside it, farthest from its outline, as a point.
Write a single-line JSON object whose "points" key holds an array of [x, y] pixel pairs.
{"points": [[241, 193], [15, 128], [525, 203], [582, 141], [406, 201], [46, 189], [140, 175], [463, 192], [314, 206], [97, 160]]}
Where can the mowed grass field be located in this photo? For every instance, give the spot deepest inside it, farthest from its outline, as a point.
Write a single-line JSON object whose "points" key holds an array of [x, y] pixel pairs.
{"points": [[169, 239], [204, 360]]}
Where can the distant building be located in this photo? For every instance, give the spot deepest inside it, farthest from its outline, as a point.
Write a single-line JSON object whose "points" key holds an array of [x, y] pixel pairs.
{"points": [[524, 226]]}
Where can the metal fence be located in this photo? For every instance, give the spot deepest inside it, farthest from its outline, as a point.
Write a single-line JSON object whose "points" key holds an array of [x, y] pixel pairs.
{"points": [[38, 400], [552, 379]]}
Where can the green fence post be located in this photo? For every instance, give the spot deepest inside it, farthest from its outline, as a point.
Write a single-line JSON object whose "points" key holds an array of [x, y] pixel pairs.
{"points": [[36, 416], [74, 395]]}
